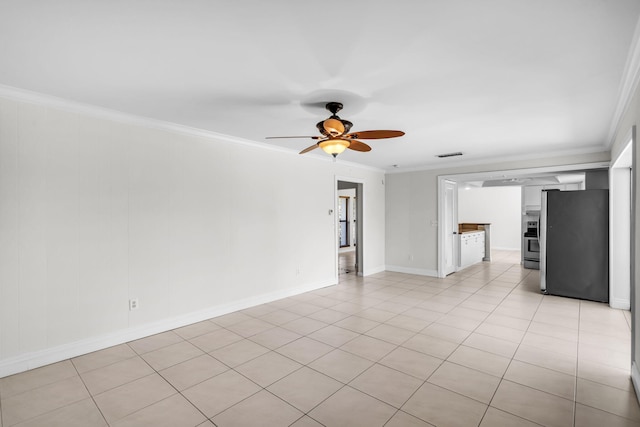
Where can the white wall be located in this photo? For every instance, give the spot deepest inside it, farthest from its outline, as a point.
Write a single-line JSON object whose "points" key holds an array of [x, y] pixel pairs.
{"points": [[629, 119], [94, 211], [499, 206]]}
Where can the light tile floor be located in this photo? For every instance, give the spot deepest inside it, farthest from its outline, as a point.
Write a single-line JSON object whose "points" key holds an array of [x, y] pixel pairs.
{"points": [[480, 348]]}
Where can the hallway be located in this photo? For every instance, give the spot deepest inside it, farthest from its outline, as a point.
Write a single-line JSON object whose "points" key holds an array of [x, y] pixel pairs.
{"points": [[347, 263]]}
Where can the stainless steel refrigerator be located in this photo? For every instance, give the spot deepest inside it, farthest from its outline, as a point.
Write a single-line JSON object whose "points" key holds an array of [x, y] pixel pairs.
{"points": [[574, 244]]}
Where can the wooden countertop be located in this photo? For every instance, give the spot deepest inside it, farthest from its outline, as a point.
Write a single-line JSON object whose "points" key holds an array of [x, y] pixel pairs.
{"points": [[466, 227]]}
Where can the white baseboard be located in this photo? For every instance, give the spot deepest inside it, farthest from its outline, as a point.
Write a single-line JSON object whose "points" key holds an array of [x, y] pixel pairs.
{"points": [[374, 270], [635, 378], [505, 249], [58, 353], [409, 270], [620, 303]]}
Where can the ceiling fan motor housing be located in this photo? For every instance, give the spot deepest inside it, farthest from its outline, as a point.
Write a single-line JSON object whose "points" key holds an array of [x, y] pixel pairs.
{"points": [[334, 107]]}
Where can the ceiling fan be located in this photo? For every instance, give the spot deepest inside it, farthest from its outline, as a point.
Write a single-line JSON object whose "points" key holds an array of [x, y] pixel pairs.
{"points": [[336, 137]]}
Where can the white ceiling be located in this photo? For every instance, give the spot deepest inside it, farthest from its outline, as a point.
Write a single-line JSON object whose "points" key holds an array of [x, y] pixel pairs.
{"points": [[489, 78]]}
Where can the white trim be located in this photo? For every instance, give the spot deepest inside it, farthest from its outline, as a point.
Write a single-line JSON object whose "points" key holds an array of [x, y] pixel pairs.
{"points": [[628, 84], [620, 303], [336, 243], [350, 179], [409, 270], [375, 270], [620, 219], [474, 176], [635, 378], [505, 249], [117, 116], [23, 95], [66, 351], [615, 162], [439, 233], [493, 161]]}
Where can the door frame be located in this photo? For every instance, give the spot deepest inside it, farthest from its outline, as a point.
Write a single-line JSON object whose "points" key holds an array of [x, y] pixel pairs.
{"points": [[360, 203], [620, 220], [442, 181]]}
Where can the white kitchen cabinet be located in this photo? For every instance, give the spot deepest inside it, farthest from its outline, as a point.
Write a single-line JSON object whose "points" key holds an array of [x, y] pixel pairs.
{"points": [[573, 187], [471, 248], [532, 195]]}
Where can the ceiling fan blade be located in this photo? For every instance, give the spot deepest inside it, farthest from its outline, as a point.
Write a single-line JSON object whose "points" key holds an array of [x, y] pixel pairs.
{"points": [[281, 137], [306, 150], [358, 146], [374, 134]]}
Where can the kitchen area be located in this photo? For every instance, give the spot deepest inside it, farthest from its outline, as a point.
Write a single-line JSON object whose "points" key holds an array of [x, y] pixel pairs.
{"points": [[531, 206], [511, 201], [565, 236], [474, 243], [561, 227]]}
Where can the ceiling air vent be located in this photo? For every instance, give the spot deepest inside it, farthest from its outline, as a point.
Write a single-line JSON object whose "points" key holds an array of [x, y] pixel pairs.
{"points": [[449, 155]]}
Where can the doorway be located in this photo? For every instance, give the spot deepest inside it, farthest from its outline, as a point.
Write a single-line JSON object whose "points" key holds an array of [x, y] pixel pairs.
{"points": [[620, 229], [349, 235], [451, 182]]}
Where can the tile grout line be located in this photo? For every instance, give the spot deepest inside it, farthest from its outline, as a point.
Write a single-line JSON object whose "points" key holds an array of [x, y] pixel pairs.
{"points": [[575, 385], [89, 392], [458, 346], [512, 358], [352, 297], [360, 334], [165, 380]]}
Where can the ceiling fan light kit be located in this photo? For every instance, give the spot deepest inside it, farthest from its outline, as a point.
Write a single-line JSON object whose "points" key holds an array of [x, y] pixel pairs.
{"points": [[336, 137], [334, 146]]}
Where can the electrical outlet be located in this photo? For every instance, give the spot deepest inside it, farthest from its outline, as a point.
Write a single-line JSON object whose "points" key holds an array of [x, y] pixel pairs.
{"points": [[410, 257], [133, 304]]}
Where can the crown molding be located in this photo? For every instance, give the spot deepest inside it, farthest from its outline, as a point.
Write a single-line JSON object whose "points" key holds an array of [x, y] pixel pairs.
{"points": [[497, 161], [628, 85], [76, 107], [23, 95], [482, 176]]}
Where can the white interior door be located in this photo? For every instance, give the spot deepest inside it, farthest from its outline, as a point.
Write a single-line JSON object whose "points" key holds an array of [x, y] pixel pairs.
{"points": [[450, 227]]}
